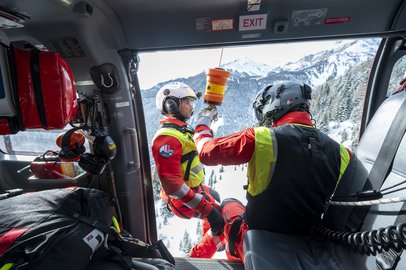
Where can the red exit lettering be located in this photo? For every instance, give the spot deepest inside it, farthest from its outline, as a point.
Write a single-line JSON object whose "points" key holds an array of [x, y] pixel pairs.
{"points": [[253, 22]]}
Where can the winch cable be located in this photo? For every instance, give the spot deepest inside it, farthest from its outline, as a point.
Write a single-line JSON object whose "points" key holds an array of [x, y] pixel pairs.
{"points": [[368, 242], [368, 202]]}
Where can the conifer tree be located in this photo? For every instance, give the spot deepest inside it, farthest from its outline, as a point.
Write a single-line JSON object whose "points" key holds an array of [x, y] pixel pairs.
{"points": [[210, 183], [199, 228], [186, 242], [156, 184], [164, 211], [199, 232]]}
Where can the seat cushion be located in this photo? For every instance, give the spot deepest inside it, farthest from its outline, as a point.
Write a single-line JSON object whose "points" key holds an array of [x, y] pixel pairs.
{"points": [[269, 250]]}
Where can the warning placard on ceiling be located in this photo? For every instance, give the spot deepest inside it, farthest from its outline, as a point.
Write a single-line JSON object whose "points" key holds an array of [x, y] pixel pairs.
{"points": [[253, 5], [308, 17], [222, 24], [252, 22]]}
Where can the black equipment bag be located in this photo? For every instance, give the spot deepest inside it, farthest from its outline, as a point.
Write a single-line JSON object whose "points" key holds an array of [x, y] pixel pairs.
{"points": [[45, 229], [135, 248]]}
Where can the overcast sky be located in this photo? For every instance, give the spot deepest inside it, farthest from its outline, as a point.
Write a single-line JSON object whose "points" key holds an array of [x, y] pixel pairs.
{"points": [[166, 65]]}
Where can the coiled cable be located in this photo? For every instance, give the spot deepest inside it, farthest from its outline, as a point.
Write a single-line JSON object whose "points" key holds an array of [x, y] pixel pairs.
{"points": [[368, 242]]}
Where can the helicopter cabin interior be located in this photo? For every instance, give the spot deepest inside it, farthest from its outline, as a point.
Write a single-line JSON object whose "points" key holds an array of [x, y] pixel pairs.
{"points": [[97, 37]]}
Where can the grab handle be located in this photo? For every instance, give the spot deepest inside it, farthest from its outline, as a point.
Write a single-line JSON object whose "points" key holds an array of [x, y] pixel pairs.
{"points": [[132, 133]]}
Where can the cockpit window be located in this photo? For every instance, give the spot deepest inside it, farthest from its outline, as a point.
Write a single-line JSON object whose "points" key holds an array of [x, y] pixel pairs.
{"points": [[30, 142], [397, 80]]}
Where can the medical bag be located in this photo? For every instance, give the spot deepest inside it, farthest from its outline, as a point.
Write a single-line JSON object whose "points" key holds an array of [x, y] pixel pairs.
{"points": [[71, 228], [51, 166], [41, 87]]}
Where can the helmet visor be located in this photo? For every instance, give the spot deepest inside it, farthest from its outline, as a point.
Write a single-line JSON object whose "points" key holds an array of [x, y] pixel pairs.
{"points": [[191, 101]]}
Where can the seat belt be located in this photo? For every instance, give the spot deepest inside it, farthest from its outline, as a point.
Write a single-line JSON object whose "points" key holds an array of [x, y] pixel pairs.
{"points": [[381, 166], [389, 148]]}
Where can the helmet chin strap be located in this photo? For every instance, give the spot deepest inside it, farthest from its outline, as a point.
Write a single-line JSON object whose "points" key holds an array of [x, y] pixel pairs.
{"points": [[181, 117], [178, 115], [266, 122]]}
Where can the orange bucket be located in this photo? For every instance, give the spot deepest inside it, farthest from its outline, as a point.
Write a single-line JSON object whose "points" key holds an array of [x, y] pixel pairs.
{"points": [[216, 85]]}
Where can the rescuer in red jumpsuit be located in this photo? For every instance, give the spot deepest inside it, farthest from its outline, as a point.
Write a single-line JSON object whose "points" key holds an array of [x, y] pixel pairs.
{"points": [[293, 168], [179, 168]]}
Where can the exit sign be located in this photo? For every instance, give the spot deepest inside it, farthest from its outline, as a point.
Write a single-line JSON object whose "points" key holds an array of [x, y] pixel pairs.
{"points": [[253, 22]]}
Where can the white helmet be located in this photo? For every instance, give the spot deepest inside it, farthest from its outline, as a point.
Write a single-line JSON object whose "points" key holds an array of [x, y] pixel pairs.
{"points": [[168, 97]]}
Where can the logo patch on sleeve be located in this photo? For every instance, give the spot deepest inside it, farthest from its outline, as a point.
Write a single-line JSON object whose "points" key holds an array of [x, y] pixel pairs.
{"points": [[166, 151]]}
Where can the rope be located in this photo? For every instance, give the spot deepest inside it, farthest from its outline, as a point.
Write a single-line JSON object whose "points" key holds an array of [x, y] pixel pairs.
{"points": [[369, 202]]}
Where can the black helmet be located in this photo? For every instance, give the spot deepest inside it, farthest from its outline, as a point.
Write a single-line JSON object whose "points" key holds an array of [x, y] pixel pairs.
{"points": [[274, 101]]}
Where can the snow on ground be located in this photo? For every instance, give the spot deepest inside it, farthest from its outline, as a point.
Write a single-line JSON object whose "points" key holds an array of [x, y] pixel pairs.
{"points": [[342, 132]]}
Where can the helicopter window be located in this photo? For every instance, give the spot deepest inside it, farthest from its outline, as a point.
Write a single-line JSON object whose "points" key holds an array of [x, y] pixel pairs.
{"points": [[30, 142], [336, 70], [397, 76]]}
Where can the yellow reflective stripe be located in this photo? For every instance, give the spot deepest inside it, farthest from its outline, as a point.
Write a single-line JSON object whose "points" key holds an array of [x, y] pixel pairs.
{"points": [[262, 160], [345, 160], [297, 124], [115, 224], [7, 266]]}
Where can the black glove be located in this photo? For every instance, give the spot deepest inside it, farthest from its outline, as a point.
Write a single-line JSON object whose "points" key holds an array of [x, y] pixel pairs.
{"points": [[216, 222]]}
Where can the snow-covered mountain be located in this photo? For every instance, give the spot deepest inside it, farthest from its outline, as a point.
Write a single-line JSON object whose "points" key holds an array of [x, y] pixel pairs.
{"points": [[245, 67], [317, 68], [248, 77], [332, 62]]}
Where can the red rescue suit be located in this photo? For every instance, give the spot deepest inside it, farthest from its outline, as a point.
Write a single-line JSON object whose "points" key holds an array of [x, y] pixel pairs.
{"points": [[237, 148], [186, 199], [231, 210]]}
